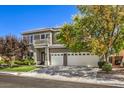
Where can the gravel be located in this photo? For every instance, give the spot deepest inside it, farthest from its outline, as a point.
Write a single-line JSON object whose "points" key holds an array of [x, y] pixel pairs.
{"points": [[83, 72]]}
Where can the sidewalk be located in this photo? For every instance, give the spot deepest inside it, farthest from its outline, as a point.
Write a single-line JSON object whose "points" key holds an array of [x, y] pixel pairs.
{"points": [[63, 78]]}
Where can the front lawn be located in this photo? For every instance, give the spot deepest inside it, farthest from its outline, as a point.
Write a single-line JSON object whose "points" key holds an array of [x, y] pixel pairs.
{"points": [[19, 69]]}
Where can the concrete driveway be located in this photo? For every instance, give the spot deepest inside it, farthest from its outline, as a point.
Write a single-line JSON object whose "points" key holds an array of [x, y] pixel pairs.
{"points": [[11, 81]]}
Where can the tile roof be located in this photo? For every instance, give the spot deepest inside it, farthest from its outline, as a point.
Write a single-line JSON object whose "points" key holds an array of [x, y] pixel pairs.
{"points": [[40, 30]]}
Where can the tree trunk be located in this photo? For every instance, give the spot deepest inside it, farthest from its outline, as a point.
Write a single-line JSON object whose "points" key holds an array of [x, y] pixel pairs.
{"points": [[106, 57], [10, 61]]}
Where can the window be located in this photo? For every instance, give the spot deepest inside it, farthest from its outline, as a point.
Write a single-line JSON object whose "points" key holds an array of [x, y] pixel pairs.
{"points": [[88, 54], [31, 54], [42, 36], [26, 38], [72, 54], [47, 35], [117, 62], [36, 37], [31, 39], [55, 40]]}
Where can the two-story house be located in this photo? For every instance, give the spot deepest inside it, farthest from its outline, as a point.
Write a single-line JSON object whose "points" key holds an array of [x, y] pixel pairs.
{"points": [[48, 51], [42, 42]]}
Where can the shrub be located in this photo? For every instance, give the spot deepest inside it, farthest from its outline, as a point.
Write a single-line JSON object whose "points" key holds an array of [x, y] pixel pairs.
{"points": [[29, 62], [1, 62], [101, 63], [18, 62], [107, 67], [25, 62]]}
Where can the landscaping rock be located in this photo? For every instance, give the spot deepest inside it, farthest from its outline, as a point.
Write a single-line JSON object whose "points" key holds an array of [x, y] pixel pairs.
{"points": [[84, 72]]}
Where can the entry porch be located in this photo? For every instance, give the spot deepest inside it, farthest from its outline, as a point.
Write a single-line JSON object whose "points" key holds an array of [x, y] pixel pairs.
{"points": [[41, 56]]}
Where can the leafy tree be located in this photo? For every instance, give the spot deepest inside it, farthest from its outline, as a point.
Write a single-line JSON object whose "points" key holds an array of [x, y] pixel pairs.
{"points": [[97, 29], [11, 47], [1, 45], [23, 48]]}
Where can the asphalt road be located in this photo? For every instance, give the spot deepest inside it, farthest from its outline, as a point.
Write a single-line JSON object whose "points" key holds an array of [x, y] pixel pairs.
{"points": [[11, 81]]}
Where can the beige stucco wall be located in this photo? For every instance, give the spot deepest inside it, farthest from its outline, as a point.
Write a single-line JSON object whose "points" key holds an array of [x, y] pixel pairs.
{"points": [[0, 58]]}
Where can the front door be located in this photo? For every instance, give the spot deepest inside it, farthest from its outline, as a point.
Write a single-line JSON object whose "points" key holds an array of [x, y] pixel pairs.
{"points": [[42, 58]]}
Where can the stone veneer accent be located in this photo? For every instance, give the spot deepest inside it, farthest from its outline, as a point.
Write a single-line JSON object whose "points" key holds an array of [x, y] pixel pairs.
{"points": [[58, 50]]}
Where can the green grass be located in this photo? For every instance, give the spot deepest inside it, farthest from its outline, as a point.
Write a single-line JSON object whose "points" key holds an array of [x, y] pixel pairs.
{"points": [[19, 69]]}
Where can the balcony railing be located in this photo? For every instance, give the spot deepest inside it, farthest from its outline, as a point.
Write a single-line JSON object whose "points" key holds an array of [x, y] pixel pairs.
{"points": [[41, 42]]}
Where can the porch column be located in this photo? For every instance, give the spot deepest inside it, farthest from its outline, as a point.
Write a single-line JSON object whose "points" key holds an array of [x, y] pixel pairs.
{"points": [[47, 56], [35, 56]]}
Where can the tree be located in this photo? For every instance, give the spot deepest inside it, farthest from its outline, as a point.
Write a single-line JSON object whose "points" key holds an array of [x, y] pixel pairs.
{"points": [[1, 45], [97, 29], [11, 46], [23, 48]]}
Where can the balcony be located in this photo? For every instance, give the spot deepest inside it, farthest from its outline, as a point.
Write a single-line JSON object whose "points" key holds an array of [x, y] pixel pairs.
{"points": [[42, 42]]}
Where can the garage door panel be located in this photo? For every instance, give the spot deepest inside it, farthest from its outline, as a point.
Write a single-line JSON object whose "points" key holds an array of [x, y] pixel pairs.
{"points": [[56, 59], [83, 60]]}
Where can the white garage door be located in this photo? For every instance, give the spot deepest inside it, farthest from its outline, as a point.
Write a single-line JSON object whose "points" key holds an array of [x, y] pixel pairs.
{"points": [[56, 59], [83, 59]]}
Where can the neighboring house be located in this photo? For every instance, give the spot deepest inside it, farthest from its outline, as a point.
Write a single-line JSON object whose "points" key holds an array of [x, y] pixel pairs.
{"points": [[122, 53], [48, 51], [117, 59]]}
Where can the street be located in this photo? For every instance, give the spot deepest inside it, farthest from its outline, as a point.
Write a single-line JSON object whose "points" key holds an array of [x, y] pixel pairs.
{"points": [[11, 81]]}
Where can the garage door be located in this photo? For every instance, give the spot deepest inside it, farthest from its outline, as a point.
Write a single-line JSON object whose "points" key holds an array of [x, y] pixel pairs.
{"points": [[83, 59], [57, 59]]}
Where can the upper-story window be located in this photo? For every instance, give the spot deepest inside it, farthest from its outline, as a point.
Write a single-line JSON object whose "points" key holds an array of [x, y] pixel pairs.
{"points": [[36, 37], [47, 35], [26, 37], [31, 39], [42, 36], [55, 40]]}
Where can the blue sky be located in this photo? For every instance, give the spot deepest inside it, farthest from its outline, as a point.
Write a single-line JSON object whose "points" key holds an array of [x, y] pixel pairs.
{"points": [[17, 19]]}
